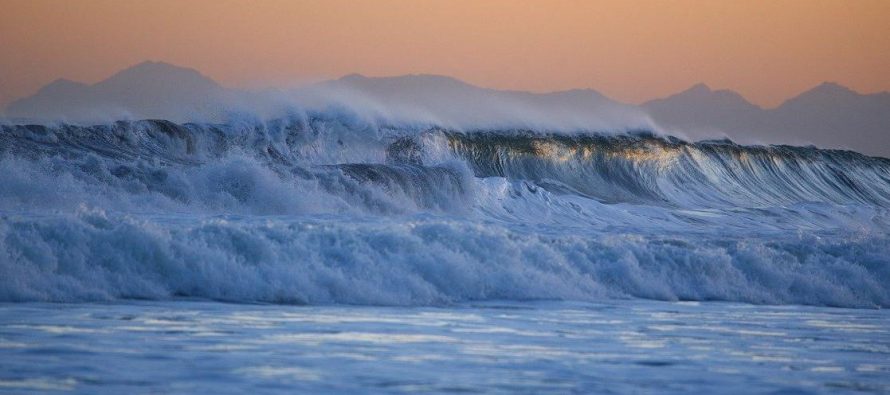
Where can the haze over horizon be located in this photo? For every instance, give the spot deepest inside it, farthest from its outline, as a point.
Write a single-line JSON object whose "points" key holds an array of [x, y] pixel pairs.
{"points": [[630, 51]]}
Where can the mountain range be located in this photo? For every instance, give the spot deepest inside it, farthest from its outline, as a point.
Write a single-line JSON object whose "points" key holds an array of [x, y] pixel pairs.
{"points": [[146, 90], [828, 115]]}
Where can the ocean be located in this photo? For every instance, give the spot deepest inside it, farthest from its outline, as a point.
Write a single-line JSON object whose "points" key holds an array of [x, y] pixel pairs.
{"points": [[324, 253]]}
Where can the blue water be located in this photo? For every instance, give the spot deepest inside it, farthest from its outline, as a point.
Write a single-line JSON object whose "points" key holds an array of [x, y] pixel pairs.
{"points": [[324, 253], [630, 346]]}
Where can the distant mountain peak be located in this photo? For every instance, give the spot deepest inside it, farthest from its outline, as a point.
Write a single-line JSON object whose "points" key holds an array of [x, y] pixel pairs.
{"points": [[824, 95], [151, 71], [702, 90], [830, 88], [148, 89], [150, 66], [702, 95], [353, 77], [698, 88], [830, 85]]}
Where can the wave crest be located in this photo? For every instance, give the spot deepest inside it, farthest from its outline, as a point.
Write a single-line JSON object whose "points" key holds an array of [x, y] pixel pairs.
{"points": [[329, 209]]}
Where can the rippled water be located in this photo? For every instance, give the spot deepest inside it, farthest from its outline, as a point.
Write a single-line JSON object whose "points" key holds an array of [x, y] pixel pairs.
{"points": [[490, 260], [628, 346]]}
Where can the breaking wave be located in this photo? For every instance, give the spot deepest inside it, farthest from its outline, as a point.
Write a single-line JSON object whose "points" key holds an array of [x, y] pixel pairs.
{"points": [[326, 208]]}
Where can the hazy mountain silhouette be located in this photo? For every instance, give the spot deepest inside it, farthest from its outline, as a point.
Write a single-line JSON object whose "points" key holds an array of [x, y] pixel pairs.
{"points": [[428, 88], [453, 101], [700, 111], [146, 90], [829, 115], [833, 115]]}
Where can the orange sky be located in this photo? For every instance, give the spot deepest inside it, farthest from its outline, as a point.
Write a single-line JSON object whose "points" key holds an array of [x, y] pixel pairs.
{"points": [[628, 50]]}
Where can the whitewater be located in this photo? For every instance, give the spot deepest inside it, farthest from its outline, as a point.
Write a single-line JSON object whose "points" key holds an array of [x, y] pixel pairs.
{"points": [[411, 247]]}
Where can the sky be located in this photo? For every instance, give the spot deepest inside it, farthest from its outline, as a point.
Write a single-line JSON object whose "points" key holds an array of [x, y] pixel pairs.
{"points": [[629, 50]]}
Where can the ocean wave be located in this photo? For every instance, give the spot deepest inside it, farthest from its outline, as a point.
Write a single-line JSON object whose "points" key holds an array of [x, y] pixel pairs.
{"points": [[332, 209], [94, 256], [632, 167], [645, 168]]}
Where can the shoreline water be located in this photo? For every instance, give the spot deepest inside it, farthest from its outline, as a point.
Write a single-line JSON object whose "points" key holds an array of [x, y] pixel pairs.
{"points": [[485, 347]]}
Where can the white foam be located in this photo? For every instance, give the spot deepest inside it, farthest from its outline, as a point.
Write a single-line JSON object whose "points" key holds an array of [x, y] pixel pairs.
{"points": [[92, 255]]}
